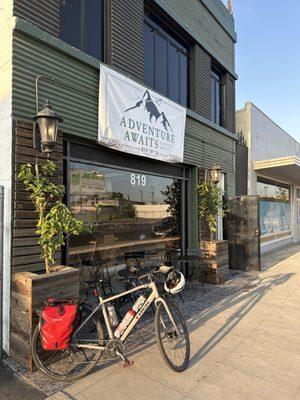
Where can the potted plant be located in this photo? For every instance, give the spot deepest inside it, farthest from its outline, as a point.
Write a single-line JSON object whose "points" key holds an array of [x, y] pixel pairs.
{"points": [[215, 252], [29, 290]]}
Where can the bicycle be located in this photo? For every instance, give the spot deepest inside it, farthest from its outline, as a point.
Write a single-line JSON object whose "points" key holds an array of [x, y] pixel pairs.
{"points": [[85, 350]]}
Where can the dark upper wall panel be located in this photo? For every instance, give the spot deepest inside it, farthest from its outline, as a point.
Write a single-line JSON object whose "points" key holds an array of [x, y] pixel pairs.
{"points": [[200, 81], [42, 13], [125, 36], [229, 122]]}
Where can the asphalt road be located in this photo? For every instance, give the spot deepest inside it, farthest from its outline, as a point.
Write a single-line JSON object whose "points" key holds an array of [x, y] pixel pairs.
{"points": [[13, 387]]}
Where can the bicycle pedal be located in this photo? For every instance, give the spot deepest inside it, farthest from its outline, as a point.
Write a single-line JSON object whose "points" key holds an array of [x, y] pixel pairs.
{"points": [[128, 363]]}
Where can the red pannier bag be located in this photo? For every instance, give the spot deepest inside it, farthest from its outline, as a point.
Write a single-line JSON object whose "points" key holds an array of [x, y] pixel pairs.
{"points": [[58, 319]]}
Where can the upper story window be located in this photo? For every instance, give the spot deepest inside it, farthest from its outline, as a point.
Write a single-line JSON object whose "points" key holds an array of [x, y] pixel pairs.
{"points": [[166, 63], [216, 97], [81, 25]]}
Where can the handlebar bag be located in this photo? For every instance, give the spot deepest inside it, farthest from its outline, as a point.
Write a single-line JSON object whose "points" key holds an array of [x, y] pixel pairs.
{"points": [[58, 319]]}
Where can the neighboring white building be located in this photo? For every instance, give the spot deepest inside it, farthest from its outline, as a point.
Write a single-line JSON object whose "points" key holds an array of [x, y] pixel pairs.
{"points": [[274, 175]]}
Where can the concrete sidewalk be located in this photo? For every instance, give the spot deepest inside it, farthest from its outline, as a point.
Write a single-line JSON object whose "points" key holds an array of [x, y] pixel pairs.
{"points": [[246, 346]]}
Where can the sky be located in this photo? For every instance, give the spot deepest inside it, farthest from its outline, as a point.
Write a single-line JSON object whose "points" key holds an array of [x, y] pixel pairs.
{"points": [[268, 59]]}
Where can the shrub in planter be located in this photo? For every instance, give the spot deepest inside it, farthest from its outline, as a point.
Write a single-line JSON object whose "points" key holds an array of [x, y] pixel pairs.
{"points": [[215, 252], [30, 290], [55, 221]]}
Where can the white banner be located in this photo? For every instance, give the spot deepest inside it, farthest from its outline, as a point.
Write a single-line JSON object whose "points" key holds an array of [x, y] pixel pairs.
{"points": [[137, 120]]}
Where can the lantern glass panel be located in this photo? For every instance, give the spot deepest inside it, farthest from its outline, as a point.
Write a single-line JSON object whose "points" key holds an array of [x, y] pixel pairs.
{"points": [[215, 175], [48, 129]]}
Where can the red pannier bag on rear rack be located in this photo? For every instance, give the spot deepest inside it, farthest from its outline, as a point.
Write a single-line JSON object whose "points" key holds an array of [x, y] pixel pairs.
{"points": [[58, 320]]}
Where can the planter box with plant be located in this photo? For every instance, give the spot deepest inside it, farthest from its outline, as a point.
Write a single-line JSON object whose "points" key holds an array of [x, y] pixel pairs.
{"points": [[30, 290], [215, 252]]}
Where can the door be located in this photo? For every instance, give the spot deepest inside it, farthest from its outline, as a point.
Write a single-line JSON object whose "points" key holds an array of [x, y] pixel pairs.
{"points": [[243, 233]]}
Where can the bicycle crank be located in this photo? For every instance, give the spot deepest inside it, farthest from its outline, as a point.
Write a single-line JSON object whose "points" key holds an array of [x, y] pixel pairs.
{"points": [[115, 348]]}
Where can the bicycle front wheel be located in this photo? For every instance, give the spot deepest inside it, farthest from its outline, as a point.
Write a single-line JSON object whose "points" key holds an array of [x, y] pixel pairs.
{"points": [[172, 338], [73, 362]]}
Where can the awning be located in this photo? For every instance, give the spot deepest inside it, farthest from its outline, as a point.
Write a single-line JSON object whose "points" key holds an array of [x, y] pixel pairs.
{"points": [[285, 168]]}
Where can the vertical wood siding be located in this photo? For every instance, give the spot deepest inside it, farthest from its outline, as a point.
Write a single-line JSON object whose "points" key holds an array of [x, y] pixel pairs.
{"points": [[26, 251]]}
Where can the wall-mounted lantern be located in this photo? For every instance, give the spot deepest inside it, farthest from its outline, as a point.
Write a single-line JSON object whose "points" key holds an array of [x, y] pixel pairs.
{"points": [[215, 171], [46, 127]]}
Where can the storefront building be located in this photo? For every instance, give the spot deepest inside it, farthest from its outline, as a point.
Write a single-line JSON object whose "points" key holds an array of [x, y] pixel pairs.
{"points": [[273, 175], [182, 52]]}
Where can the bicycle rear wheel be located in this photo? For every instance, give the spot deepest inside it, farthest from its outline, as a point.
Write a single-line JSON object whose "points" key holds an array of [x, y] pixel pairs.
{"points": [[173, 340], [73, 362]]}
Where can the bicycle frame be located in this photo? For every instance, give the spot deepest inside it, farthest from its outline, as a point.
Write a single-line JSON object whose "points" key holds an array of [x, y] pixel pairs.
{"points": [[153, 297]]}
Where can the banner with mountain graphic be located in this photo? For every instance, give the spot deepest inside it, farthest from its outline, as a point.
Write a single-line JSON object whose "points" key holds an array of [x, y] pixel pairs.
{"points": [[137, 120]]}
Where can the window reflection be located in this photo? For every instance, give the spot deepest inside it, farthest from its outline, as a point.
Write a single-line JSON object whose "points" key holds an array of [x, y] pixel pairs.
{"points": [[275, 209], [123, 211]]}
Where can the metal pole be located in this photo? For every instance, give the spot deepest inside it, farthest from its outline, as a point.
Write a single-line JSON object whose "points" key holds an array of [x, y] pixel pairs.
{"points": [[1, 264]]}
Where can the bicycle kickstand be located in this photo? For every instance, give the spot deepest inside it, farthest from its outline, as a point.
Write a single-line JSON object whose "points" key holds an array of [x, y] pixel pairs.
{"points": [[127, 362]]}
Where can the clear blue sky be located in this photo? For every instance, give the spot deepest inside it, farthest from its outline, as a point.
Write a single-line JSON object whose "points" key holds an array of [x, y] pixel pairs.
{"points": [[268, 59]]}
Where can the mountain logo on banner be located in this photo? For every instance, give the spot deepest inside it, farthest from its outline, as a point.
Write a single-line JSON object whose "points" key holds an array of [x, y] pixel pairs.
{"points": [[148, 104]]}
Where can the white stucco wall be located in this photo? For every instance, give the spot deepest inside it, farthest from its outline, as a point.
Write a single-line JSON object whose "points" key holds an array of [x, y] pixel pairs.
{"points": [[6, 25], [265, 141]]}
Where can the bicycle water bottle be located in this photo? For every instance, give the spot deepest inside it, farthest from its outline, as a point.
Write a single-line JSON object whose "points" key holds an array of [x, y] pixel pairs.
{"points": [[112, 315], [124, 323], [138, 304], [129, 316]]}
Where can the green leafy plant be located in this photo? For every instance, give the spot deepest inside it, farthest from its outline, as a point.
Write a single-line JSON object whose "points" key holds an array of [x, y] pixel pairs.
{"points": [[173, 194], [172, 199], [55, 221], [211, 205]]}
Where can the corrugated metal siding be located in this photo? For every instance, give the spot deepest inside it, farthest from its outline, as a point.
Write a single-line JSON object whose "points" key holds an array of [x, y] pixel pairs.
{"points": [[127, 36], [42, 13], [203, 146], [196, 16], [30, 59], [200, 81]]}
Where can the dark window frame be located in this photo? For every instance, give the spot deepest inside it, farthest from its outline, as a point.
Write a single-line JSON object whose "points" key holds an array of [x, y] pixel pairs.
{"points": [[83, 24], [181, 44], [217, 77]]}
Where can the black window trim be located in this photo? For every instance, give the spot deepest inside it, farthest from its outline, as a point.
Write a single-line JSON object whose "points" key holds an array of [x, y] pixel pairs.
{"points": [[83, 26], [183, 47]]}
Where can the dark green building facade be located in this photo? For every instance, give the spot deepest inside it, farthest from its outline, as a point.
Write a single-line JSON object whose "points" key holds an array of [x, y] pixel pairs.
{"points": [[53, 49]]}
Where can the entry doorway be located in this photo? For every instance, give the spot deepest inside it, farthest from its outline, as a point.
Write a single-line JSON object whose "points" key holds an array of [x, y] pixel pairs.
{"points": [[243, 232]]}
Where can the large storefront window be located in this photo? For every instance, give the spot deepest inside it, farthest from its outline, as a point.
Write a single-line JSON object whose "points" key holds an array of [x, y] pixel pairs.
{"points": [[275, 209], [123, 212]]}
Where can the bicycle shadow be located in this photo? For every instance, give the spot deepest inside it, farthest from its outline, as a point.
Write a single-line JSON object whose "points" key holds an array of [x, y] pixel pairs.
{"points": [[248, 301]]}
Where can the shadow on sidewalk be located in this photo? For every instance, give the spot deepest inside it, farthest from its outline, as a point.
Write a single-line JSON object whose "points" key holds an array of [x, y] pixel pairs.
{"points": [[255, 294], [268, 260]]}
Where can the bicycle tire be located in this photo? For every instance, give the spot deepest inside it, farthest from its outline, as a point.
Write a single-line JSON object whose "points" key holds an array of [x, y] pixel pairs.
{"points": [[178, 367], [41, 365]]}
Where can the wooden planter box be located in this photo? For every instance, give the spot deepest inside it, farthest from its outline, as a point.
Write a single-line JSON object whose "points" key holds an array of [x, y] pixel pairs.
{"points": [[29, 291], [216, 261]]}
